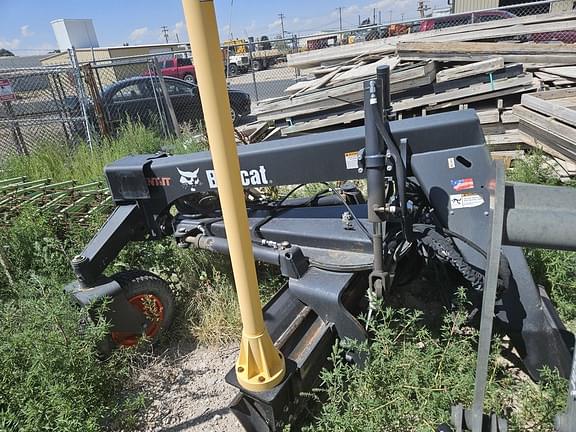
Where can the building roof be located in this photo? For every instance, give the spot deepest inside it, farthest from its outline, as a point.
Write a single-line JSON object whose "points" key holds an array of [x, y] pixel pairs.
{"points": [[16, 62]]}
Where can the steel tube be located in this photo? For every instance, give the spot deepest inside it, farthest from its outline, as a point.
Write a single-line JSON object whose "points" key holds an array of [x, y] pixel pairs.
{"points": [[540, 216]]}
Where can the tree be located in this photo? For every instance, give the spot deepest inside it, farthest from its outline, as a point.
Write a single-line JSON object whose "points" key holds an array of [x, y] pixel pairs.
{"points": [[5, 53]]}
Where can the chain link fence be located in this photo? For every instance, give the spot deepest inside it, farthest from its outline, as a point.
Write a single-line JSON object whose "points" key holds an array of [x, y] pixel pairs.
{"points": [[34, 108], [84, 102], [270, 79]]}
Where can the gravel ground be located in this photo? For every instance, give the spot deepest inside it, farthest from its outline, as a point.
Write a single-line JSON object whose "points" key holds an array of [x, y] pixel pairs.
{"points": [[187, 392]]}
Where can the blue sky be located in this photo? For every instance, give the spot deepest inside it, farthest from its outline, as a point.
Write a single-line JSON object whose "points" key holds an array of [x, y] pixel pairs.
{"points": [[25, 24]]}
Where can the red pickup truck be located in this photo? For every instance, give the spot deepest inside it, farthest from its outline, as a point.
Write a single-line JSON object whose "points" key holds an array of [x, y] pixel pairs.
{"points": [[179, 68]]}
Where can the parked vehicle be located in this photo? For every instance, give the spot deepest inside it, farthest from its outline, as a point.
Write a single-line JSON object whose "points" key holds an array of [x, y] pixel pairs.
{"points": [[179, 68], [237, 55], [138, 99]]}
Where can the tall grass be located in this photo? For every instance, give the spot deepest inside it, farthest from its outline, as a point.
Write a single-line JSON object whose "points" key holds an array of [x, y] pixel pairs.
{"points": [[59, 162], [415, 374], [50, 375]]}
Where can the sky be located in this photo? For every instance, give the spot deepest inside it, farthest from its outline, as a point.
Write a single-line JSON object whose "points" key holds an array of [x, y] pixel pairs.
{"points": [[25, 24]]}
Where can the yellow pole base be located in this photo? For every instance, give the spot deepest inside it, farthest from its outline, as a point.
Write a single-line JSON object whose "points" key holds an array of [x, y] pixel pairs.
{"points": [[260, 365]]}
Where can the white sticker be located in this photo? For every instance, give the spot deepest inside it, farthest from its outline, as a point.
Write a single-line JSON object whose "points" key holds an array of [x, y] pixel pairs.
{"points": [[451, 163], [465, 200], [351, 160]]}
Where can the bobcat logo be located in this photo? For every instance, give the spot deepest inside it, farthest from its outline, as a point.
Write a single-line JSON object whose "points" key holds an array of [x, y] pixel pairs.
{"points": [[189, 178]]}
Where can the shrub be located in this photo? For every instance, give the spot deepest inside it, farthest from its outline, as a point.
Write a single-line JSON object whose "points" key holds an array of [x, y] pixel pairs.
{"points": [[50, 375]]}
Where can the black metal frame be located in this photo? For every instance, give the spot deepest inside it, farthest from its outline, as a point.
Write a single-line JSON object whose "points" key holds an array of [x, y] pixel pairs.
{"points": [[322, 248]]}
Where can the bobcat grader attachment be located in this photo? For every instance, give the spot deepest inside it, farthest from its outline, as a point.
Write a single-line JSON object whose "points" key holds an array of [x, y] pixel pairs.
{"points": [[433, 192]]}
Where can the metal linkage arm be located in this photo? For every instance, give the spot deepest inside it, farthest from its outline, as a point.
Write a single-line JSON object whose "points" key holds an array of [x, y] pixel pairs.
{"points": [[125, 224]]}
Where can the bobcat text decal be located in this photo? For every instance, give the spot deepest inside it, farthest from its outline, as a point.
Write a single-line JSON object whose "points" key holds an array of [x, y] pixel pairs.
{"points": [[253, 177]]}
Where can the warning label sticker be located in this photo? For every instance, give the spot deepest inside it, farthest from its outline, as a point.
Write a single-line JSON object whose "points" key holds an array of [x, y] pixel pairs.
{"points": [[351, 160], [465, 200], [451, 163]]}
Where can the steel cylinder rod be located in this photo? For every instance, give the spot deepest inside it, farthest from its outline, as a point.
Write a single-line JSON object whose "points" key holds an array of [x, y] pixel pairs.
{"points": [[260, 366], [540, 216]]}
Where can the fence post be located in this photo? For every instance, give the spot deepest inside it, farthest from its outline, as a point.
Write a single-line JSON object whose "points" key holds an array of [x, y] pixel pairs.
{"points": [[15, 128], [167, 100], [250, 48], [96, 99], [81, 95]]}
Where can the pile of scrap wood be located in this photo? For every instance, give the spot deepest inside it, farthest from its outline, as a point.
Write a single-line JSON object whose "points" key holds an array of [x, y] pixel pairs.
{"points": [[436, 70], [520, 29], [416, 87], [547, 120]]}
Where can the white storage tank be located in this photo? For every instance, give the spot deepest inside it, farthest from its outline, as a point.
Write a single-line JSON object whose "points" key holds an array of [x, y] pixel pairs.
{"points": [[77, 33]]}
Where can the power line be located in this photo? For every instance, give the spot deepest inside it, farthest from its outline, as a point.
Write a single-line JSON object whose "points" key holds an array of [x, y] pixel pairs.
{"points": [[165, 31]]}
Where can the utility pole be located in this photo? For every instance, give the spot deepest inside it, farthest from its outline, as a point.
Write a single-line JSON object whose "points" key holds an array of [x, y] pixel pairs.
{"points": [[282, 16], [373, 16], [340, 16], [390, 20], [165, 32], [422, 8], [380, 17]]}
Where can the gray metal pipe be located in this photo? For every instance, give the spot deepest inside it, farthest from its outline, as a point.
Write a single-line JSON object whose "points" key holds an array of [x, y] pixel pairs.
{"points": [[540, 216]]}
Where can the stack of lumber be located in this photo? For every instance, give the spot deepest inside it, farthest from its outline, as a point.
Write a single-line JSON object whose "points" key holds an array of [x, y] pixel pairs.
{"points": [[65, 200], [548, 119], [434, 70], [487, 66], [335, 99], [517, 29]]}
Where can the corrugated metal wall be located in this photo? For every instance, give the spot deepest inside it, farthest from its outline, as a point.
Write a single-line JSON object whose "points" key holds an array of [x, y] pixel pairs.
{"points": [[472, 5]]}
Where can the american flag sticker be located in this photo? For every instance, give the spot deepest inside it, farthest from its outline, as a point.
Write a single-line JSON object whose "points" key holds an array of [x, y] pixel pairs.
{"points": [[462, 184]]}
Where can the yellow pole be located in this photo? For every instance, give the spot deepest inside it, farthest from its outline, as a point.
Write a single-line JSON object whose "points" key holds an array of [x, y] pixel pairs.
{"points": [[260, 366]]}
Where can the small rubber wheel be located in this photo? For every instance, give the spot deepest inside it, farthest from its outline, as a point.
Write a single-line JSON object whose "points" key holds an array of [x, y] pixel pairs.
{"points": [[190, 78], [151, 295], [256, 65], [235, 116], [232, 69]]}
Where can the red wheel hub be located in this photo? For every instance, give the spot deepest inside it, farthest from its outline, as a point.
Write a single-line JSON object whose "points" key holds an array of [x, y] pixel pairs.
{"points": [[153, 310]]}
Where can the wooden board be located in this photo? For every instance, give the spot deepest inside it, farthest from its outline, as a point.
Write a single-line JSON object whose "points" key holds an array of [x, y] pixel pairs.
{"points": [[476, 51], [566, 148], [565, 71], [566, 166], [340, 77], [560, 104], [339, 96], [470, 69], [509, 71], [546, 123], [458, 94], [485, 96]]}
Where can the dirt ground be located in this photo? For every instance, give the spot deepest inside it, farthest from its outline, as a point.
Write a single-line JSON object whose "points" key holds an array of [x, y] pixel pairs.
{"points": [[186, 390]]}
